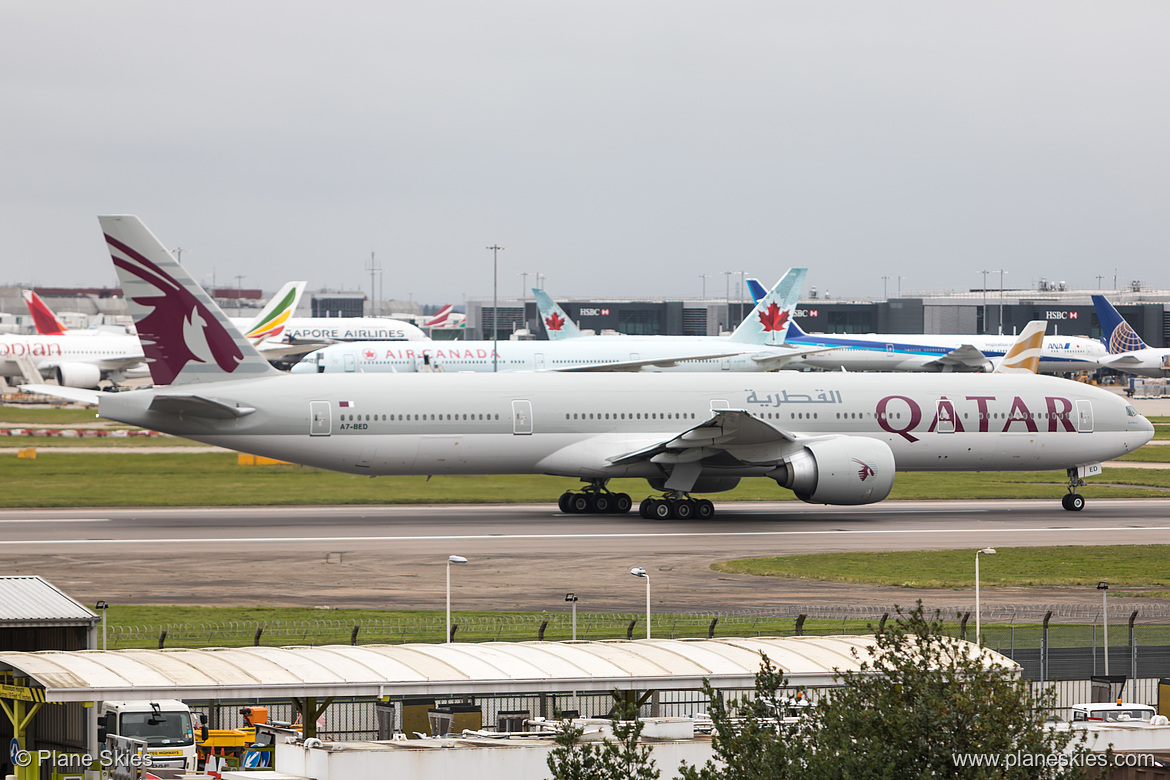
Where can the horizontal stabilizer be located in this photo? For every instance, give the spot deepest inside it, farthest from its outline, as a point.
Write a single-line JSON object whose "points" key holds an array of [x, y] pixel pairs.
{"points": [[79, 394], [197, 406]]}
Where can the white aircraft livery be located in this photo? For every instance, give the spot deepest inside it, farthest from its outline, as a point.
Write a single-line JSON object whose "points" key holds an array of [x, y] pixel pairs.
{"points": [[832, 438], [756, 345]]}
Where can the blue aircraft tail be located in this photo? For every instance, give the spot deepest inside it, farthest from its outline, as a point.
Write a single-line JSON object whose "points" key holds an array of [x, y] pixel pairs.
{"points": [[1116, 333], [757, 290]]}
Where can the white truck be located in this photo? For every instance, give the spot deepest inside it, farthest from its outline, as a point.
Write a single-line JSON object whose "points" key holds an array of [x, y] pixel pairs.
{"points": [[1112, 712], [164, 725]]}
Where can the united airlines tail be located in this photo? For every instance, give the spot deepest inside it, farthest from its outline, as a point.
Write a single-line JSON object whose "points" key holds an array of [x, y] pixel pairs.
{"points": [[556, 323], [47, 323], [184, 335], [768, 321], [1024, 355], [269, 323], [1116, 333]]}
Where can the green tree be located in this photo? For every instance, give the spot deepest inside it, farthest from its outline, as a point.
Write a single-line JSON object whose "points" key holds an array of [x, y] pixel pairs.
{"points": [[918, 699], [620, 758]]}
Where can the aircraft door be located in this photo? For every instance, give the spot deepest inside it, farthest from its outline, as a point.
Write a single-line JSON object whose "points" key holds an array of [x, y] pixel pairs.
{"points": [[725, 364], [350, 363], [538, 361], [1084, 416], [889, 349], [320, 422], [521, 417], [946, 416]]}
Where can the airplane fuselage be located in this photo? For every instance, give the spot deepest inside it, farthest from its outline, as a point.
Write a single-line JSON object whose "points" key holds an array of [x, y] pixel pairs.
{"points": [[45, 352], [578, 425]]}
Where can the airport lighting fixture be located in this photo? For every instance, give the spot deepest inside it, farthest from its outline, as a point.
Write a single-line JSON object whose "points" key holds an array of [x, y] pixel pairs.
{"points": [[1104, 588], [450, 560], [704, 277], [638, 571], [102, 606], [978, 612], [572, 598], [495, 306]]}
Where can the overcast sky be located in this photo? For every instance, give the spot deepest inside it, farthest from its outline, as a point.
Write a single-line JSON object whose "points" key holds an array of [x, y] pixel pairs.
{"points": [[618, 148]]}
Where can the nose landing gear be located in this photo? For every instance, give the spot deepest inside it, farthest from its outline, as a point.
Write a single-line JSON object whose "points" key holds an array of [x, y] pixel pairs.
{"points": [[1072, 500]]}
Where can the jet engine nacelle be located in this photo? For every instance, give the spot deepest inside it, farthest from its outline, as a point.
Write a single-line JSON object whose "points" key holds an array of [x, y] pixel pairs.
{"points": [[704, 484], [839, 470], [78, 375]]}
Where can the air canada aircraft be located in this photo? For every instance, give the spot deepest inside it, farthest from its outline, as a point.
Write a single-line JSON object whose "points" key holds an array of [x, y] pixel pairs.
{"points": [[1127, 351], [832, 438], [756, 345]]}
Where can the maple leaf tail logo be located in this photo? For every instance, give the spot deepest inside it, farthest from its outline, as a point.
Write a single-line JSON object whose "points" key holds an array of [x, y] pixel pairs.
{"points": [[866, 471], [554, 321], [773, 319]]}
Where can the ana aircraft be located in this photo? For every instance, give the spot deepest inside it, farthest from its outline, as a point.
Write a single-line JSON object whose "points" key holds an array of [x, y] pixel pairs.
{"points": [[1127, 351], [833, 438], [753, 347]]}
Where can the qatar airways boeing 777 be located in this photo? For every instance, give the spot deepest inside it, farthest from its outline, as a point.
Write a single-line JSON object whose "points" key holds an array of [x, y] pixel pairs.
{"points": [[832, 438]]}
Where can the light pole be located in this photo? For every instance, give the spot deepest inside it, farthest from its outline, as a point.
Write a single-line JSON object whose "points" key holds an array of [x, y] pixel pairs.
{"points": [[1001, 273], [704, 277], [495, 307], [978, 612], [102, 606], [572, 597], [885, 293], [450, 560], [640, 572], [239, 292], [985, 273], [1104, 588]]}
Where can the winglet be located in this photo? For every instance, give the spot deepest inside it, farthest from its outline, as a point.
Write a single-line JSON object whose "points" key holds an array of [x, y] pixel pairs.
{"points": [[557, 324], [768, 321], [184, 335], [1117, 334], [1024, 355], [269, 323], [47, 323]]}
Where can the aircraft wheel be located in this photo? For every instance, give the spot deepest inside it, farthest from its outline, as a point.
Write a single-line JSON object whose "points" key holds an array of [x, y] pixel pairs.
{"points": [[704, 509], [660, 509], [600, 503], [1074, 502], [682, 508], [579, 503], [622, 503], [644, 508], [563, 502]]}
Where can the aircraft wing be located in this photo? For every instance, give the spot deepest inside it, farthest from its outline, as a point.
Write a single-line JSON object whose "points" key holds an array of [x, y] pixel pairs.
{"points": [[965, 357], [289, 351], [1121, 361], [662, 362], [775, 360], [730, 436]]}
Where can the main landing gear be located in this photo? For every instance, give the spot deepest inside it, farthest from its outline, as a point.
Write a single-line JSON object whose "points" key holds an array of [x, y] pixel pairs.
{"points": [[676, 506], [1072, 500], [594, 500]]}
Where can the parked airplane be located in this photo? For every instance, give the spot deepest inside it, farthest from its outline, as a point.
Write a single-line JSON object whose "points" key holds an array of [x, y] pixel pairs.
{"points": [[1127, 351], [904, 352], [834, 438], [446, 318], [751, 347]]}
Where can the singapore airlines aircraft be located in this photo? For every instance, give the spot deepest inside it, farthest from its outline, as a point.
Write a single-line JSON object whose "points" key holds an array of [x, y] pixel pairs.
{"points": [[755, 346], [1127, 351], [832, 438]]}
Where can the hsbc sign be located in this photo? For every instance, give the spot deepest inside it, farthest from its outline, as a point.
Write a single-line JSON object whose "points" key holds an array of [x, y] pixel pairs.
{"points": [[594, 312], [1061, 315], [805, 313]]}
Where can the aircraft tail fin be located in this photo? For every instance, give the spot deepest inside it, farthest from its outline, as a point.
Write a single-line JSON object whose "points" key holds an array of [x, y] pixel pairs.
{"points": [[1117, 334], [1023, 357], [184, 335], [556, 323], [768, 321], [269, 323], [756, 289], [440, 319], [47, 323]]}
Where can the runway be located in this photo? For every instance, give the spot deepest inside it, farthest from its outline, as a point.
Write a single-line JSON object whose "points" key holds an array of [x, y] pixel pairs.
{"points": [[526, 556]]}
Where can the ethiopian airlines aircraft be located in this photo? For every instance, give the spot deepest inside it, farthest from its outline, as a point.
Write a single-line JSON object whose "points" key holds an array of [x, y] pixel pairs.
{"points": [[832, 438], [1127, 351], [755, 345]]}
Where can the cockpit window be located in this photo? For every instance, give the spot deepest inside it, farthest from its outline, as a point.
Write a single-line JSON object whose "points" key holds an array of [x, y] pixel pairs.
{"points": [[1131, 411]]}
